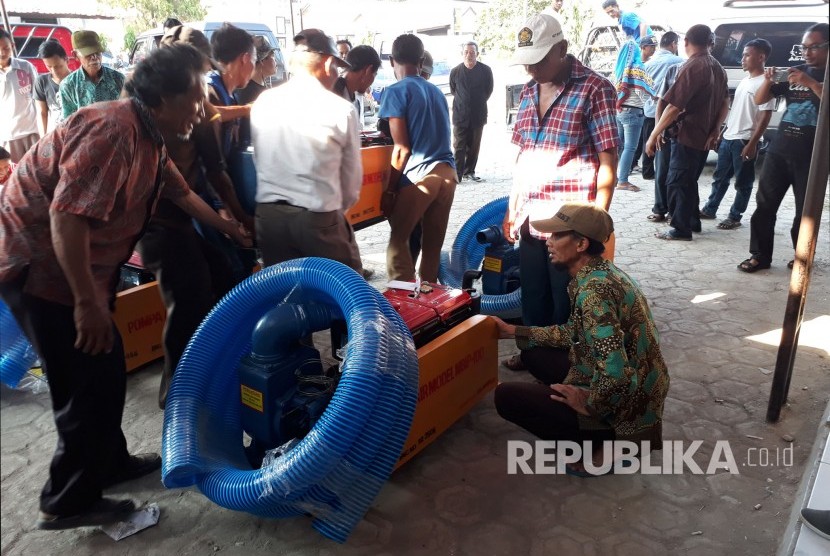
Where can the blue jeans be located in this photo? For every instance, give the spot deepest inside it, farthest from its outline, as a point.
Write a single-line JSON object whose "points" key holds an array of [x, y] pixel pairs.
{"points": [[629, 126], [729, 164]]}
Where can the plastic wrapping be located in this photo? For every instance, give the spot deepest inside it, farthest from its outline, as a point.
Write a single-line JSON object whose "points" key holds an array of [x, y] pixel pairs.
{"points": [[337, 469], [34, 381], [467, 254]]}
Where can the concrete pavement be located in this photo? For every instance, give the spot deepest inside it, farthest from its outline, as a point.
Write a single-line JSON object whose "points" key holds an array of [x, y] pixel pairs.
{"points": [[456, 497]]}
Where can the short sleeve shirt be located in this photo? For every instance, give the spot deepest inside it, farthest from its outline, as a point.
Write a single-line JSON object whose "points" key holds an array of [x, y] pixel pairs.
{"points": [[630, 23], [699, 92], [559, 155], [797, 130], [46, 90], [78, 90], [102, 164], [17, 109], [427, 117]]}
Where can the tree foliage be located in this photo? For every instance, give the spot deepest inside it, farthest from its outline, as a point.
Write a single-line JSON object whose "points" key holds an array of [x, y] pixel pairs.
{"points": [[500, 21], [147, 14]]}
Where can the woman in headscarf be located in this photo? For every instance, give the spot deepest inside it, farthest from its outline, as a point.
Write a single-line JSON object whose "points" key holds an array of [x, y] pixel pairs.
{"points": [[634, 87]]}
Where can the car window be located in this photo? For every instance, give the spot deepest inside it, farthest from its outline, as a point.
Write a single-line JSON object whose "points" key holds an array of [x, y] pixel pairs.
{"points": [[440, 68], [31, 46], [142, 49], [785, 38]]}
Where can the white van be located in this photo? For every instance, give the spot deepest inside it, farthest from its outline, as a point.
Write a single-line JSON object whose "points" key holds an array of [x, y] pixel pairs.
{"points": [[147, 41], [740, 21]]}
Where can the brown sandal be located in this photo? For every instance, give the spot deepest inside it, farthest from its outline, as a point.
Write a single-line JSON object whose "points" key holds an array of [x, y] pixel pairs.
{"points": [[515, 363]]}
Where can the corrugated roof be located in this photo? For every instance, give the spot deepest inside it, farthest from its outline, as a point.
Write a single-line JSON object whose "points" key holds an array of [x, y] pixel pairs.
{"points": [[85, 9]]}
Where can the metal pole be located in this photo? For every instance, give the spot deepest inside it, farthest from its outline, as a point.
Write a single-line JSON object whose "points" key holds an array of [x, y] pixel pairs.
{"points": [[293, 29], [805, 252], [7, 25]]}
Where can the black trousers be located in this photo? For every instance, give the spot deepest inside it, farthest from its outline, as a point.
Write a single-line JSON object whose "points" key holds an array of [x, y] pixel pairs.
{"points": [[545, 298], [530, 405], [547, 365], [684, 170], [647, 164], [87, 392], [466, 144], [661, 174], [777, 175], [192, 276]]}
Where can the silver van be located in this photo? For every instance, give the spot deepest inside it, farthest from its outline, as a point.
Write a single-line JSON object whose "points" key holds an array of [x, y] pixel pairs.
{"points": [[147, 41], [740, 21]]}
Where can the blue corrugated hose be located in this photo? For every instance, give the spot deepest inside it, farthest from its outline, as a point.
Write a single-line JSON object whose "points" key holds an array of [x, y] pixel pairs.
{"points": [[16, 353], [467, 254], [335, 472]]}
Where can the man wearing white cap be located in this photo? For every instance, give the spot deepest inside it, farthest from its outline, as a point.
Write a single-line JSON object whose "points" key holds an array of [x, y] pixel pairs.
{"points": [[566, 132]]}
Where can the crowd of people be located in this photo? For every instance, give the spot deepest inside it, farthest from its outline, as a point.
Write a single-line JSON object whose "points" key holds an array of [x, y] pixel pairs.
{"points": [[98, 166]]}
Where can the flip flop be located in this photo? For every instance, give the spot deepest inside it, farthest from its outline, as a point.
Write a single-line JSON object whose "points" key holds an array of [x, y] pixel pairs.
{"points": [[729, 224], [515, 363], [628, 187], [654, 217]]}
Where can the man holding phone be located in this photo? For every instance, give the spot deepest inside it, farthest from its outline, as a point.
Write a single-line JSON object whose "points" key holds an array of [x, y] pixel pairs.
{"points": [[788, 157]]}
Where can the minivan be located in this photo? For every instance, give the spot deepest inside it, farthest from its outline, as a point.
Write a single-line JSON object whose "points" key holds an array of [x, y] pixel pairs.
{"points": [[740, 21], [147, 41]]}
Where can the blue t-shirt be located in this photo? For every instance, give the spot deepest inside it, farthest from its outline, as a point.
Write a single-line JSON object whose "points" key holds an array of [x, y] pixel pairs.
{"points": [[427, 123], [630, 23]]}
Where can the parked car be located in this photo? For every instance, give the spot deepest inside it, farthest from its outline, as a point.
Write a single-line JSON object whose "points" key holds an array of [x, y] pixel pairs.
{"points": [[603, 44], [441, 76], [29, 36], [148, 41], [783, 26], [386, 76]]}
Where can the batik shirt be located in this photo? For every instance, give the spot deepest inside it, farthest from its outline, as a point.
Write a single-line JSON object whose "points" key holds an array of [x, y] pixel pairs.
{"points": [[103, 165], [614, 352], [78, 90]]}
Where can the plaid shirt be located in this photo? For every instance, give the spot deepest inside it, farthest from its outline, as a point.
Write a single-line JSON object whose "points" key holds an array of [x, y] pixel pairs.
{"points": [[559, 156]]}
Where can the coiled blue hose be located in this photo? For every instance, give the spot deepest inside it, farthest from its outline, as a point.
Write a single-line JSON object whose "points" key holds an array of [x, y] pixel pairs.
{"points": [[336, 471], [467, 254], [16, 353]]}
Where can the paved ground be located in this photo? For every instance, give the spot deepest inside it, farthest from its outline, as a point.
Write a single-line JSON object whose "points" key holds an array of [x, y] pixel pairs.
{"points": [[456, 498]]}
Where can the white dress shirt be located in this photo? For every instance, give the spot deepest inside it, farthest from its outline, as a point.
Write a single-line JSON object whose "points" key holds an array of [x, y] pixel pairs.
{"points": [[306, 147]]}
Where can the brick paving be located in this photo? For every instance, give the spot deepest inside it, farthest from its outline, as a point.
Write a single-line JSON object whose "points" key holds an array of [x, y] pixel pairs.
{"points": [[456, 497]]}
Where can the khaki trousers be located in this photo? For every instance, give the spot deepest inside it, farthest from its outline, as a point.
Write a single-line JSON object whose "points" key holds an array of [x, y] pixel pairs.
{"points": [[286, 232], [429, 201]]}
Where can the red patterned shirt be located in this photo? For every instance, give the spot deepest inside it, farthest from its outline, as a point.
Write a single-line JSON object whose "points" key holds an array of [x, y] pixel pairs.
{"points": [[101, 164], [559, 156]]}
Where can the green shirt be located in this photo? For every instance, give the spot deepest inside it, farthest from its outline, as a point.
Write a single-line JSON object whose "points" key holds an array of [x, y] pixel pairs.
{"points": [[78, 90], [614, 352]]}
